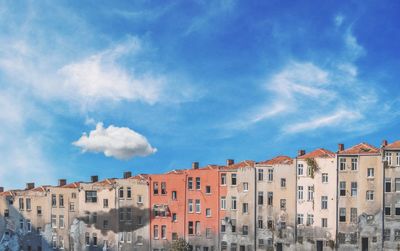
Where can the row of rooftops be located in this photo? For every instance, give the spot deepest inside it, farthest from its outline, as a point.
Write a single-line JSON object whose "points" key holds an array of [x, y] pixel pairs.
{"points": [[359, 149]]}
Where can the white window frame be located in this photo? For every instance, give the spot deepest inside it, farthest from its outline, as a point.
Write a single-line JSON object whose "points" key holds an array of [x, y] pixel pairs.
{"points": [[270, 174], [354, 189], [324, 202], [325, 178], [342, 164], [370, 172], [370, 195], [223, 203], [354, 164], [300, 169], [300, 195]]}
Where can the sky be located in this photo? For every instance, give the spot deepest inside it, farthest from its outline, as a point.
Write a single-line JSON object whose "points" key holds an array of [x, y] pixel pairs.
{"points": [[102, 87]]}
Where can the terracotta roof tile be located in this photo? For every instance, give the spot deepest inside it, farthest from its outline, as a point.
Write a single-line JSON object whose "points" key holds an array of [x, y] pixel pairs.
{"points": [[278, 160], [72, 185], [362, 148], [318, 153], [245, 163], [394, 145]]}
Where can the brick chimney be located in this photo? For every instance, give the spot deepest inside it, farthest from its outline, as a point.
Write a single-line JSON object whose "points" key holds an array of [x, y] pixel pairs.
{"points": [[195, 165], [127, 175], [230, 162], [301, 153], [30, 186], [1, 189], [384, 143], [62, 182], [94, 178], [340, 147]]}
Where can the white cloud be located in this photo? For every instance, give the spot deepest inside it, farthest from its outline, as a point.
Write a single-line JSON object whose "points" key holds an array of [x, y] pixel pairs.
{"points": [[339, 20], [117, 142]]}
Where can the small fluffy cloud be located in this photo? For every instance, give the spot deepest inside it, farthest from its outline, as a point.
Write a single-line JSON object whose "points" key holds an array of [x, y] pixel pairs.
{"points": [[118, 142]]}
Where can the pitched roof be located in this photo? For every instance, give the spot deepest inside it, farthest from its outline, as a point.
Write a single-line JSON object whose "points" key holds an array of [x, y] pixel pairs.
{"points": [[318, 153], [362, 148], [245, 163], [394, 145], [278, 160], [72, 185]]}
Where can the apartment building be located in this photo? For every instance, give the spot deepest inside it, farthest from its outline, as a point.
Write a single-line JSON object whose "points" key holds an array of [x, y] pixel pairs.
{"points": [[275, 204], [316, 200], [360, 197], [237, 205], [391, 205]]}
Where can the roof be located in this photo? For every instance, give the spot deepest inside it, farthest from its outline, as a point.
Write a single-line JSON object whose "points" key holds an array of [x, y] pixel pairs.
{"points": [[278, 160], [39, 189], [318, 153], [105, 182], [362, 148], [6, 193], [72, 185], [245, 163], [394, 145]]}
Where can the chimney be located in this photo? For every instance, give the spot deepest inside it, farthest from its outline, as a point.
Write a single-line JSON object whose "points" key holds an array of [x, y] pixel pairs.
{"points": [[127, 175], [384, 143], [30, 186], [230, 162], [195, 165], [341, 147], [1, 189], [301, 153], [62, 182], [94, 178]]}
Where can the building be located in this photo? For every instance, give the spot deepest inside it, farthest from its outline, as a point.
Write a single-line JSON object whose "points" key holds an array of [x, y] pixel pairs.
{"points": [[391, 234], [360, 197], [275, 203], [316, 200]]}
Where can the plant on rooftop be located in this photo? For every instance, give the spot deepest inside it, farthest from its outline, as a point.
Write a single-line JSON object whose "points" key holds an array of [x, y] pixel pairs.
{"points": [[312, 163]]}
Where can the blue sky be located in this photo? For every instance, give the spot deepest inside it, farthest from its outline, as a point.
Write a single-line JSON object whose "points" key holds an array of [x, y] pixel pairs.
{"points": [[100, 87]]}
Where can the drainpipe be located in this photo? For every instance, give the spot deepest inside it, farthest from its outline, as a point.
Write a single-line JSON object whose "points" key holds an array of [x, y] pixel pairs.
{"points": [[150, 202], [295, 206], [219, 209], [337, 202], [384, 164], [255, 208], [185, 209]]}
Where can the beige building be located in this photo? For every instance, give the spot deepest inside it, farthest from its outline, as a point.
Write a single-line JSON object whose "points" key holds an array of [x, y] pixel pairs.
{"points": [[360, 197], [316, 200], [275, 204], [391, 234]]}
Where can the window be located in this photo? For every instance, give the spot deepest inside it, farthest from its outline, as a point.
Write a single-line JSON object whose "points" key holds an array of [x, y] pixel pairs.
{"points": [[245, 208], [388, 158], [190, 206], [260, 174], [233, 247], [28, 225], [233, 203], [310, 195], [270, 174], [324, 202], [28, 204], [21, 224], [233, 179], [342, 188], [61, 221], [397, 184], [223, 178], [324, 178], [245, 230], [353, 215], [174, 236], [71, 206], [397, 234], [198, 228], [91, 196], [128, 214], [342, 165], [309, 170], [53, 200], [174, 195], [121, 236], [209, 234], [353, 189], [105, 224], [155, 188], [53, 221], [155, 231], [245, 186], [61, 242], [300, 192], [283, 182], [300, 169], [386, 235], [140, 220], [208, 212], [300, 219], [73, 195], [121, 214], [198, 183], [354, 164], [342, 214], [223, 203], [397, 211], [164, 232], [94, 237], [191, 228], [270, 198], [61, 200], [310, 219], [21, 203], [388, 185], [105, 203], [129, 192], [121, 192], [174, 217], [324, 222], [260, 243], [370, 172], [87, 239], [54, 241], [198, 208], [283, 204], [208, 189], [233, 225], [397, 159], [260, 198], [6, 213], [387, 211], [370, 195], [260, 222], [223, 226]]}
